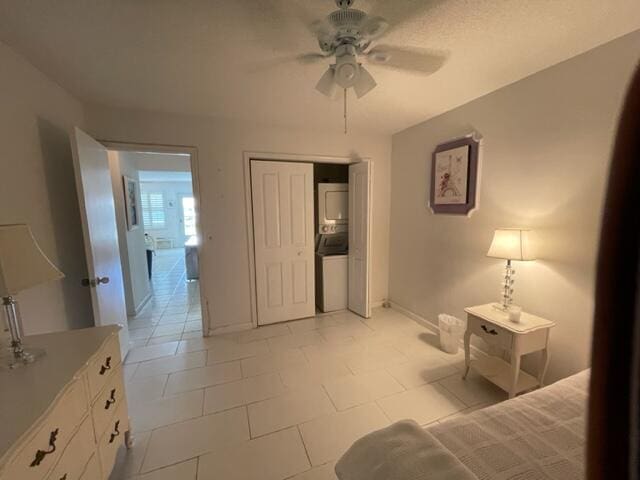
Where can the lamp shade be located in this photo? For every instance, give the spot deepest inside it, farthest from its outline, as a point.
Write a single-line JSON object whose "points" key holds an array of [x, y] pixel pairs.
{"points": [[22, 263], [511, 244]]}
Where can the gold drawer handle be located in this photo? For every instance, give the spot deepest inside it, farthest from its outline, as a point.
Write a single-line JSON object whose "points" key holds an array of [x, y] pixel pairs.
{"points": [[111, 400], [115, 433], [490, 332], [106, 366], [40, 454]]}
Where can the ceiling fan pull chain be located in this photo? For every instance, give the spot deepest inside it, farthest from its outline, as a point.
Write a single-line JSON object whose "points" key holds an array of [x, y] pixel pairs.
{"points": [[345, 111]]}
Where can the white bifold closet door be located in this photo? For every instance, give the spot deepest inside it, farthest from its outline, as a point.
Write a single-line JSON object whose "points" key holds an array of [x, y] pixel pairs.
{"points": [[360, 237], [282, 198], [98, 216]]}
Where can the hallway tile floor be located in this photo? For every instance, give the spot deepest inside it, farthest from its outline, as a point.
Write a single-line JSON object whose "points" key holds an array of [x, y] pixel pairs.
{"points": [[173, 312]]}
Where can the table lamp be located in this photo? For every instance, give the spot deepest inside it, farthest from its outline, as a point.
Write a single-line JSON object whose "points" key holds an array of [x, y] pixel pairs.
{"points": [[510, 244], [22, 266]]}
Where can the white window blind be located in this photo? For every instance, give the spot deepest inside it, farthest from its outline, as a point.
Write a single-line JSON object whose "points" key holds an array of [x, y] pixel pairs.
{"points": [[153, 213]]}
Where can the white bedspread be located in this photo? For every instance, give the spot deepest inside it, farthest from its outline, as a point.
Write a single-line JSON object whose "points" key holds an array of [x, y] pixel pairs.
{"points": [[537, 436], [402, 451]]}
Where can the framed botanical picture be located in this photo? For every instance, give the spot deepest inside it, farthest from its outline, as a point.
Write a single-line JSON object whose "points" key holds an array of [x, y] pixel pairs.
{"points": [[131, 202], [454, 173]]}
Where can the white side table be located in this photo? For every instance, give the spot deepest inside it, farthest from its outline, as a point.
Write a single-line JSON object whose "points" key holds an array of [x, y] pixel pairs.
{"points": [[495, 328]]}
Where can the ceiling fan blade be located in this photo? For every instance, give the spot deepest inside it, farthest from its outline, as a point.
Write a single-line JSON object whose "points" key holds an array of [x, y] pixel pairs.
{"points": [[304, 59], [413, 59], [397, 12], [307, 58], [374, 27]]}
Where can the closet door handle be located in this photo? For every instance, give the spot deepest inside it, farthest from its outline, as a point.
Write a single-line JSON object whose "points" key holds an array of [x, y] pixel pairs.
{"points": [[40, 454], [490, 332]]}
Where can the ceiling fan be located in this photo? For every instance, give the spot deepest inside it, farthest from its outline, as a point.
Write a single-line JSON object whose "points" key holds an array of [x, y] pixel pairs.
{"points": [[348, 36]]}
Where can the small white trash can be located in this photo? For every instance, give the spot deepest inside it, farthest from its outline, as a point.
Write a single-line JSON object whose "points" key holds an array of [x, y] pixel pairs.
{"points": [[451, 331]]}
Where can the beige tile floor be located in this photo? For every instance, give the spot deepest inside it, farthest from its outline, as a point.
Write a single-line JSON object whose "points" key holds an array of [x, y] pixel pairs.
{"points": [[283, 401]]}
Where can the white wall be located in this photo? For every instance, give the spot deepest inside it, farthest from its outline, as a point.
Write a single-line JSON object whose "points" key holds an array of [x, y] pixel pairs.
{"points": [[37, 187], [133, 252], [546, 150], [160, 161], [220, 144], [171, 192]]}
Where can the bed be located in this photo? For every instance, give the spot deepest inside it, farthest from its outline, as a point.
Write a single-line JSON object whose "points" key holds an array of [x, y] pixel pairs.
{"points": [[537, 436]]}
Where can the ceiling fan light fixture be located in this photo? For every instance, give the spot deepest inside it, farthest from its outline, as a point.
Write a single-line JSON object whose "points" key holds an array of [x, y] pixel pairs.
{"points": [[327, 85], [364, 84], [347, 70]]}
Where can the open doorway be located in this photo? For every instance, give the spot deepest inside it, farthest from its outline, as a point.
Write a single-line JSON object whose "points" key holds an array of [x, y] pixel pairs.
{"points": [[155, 197]]}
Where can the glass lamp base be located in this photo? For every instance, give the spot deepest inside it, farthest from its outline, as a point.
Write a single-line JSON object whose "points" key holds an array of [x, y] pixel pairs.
{"points": [[10, 361]]}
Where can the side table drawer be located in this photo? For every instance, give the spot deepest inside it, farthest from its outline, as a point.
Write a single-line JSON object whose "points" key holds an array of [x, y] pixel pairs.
{"points": [[102, 366], [76, 455], [490, 333], [42, 451]]}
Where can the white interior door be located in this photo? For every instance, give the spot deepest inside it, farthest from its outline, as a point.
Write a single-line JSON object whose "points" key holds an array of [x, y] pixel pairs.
{"points": [[95, 195], [282, 196], [359, 237]]}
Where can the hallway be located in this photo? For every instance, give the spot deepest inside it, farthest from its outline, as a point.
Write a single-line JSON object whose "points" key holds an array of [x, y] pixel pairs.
{"points": [[173, 313]]}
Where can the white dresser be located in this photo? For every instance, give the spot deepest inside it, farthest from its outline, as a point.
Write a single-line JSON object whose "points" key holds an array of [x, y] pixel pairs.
{"points": [[64, 417]]}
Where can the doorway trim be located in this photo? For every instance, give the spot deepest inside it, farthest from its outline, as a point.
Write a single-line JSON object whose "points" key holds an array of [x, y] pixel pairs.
{"points": [[283, 157], [195, 180]]}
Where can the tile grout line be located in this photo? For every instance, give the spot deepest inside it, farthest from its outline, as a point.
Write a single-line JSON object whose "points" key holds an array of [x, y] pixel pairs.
{"points": [[246, 409], [304, 445], [326, 392], [441, 385]]}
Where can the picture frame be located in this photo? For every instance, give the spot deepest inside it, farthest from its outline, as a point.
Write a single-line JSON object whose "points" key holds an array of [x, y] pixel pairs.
{"points": [[131, 206], [454, 176]]}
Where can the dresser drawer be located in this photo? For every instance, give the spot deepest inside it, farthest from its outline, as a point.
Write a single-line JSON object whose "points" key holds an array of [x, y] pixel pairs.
{"points": [[77, 454], [92, 470], [112, 438], [42, 451], [102, 365], [107, 402], [490, 333]]}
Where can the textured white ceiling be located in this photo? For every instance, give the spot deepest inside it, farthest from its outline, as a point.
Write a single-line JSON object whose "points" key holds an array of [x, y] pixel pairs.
{"points": [[220, 58]]}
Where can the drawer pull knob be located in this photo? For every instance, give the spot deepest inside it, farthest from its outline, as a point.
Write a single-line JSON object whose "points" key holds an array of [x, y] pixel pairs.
{"points": [[115, 433], [40, 454], [490, 332], [111, 400], [106, 366]]}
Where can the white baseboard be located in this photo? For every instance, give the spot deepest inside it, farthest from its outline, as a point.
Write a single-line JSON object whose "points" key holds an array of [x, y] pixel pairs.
{"points": [[230, 328], [428, 324], [138, 308], [414, 316]]}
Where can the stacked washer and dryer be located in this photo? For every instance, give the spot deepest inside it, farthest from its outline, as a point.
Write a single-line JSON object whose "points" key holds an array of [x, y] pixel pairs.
{"points": [[332, 247]]}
